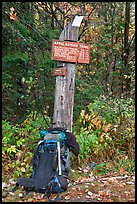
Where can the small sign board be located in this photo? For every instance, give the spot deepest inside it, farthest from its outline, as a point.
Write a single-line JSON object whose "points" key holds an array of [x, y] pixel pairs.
{"points": [[77, 21], [59, 71], [68, 51]]}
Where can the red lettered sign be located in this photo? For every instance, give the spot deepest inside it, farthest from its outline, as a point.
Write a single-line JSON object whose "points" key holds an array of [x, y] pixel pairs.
{"points": [[70, 51], [84, 53], [59, 72]]}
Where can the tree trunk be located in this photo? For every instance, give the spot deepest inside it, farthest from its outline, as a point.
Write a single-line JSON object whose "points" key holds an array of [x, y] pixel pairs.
{"points": [[127, 49]]}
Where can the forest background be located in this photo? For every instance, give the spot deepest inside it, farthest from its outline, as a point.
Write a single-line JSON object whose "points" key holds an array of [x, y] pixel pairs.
{"points": [[104, 102]]}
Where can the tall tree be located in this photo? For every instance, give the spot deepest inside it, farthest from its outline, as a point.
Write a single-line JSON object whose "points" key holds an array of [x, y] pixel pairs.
{"points": [[27, 31], [127, 49]]}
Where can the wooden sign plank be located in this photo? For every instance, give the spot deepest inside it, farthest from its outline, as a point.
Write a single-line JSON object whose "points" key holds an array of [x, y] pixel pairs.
{"points": [[84, 56], [59, 71], [64, 51], [67, 51]]}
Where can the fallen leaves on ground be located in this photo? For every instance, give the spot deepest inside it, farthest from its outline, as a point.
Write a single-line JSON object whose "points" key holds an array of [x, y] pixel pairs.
{"points": [[110, 188]]}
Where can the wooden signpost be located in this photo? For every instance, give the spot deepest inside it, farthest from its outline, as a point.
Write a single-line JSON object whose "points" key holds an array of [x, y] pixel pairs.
{"points": [[67, 51]]}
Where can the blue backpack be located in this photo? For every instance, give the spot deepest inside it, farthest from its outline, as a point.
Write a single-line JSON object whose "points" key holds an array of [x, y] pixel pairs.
{"points": [[50, 163]]}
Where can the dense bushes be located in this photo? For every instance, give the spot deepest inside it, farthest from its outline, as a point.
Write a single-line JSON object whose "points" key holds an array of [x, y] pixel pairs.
{"points": [[18, 143], [105, 129]]}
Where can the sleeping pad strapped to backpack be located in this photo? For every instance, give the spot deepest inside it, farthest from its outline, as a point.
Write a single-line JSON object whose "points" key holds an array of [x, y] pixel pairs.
{"points": [[50, 162]]}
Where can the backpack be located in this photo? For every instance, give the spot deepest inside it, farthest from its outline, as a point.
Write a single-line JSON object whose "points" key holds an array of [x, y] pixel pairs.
{"points": [[50, 163]]}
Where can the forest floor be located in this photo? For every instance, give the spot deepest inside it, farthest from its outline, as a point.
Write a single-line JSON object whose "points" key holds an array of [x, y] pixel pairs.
{"points": [[85, 187]]}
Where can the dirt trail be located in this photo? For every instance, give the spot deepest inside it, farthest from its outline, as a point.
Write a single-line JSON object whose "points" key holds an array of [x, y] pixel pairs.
{"points": [[86, 189]]}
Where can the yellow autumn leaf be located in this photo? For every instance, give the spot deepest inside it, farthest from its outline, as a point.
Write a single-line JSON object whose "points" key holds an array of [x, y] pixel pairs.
{"points": [[89, 127], [107, 128], [82, 113], [96, 122], [102, 137], [86, 116], [22, 164], [23, 169]]}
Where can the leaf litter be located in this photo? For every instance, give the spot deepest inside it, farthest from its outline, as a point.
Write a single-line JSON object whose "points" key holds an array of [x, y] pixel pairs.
{"points": [[85, 188]]}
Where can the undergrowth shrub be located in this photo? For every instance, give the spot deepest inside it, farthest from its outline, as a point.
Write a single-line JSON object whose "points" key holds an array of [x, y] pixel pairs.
{"points": [[105, 129], [18, 142]]}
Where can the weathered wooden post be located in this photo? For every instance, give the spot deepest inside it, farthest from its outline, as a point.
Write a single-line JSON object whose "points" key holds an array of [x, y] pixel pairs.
{"points": [[65, 81], [64, 92]]}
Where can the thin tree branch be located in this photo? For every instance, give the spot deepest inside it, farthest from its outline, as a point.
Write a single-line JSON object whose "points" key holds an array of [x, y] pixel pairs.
{"points": [[131, 40], [23, 22], [86, 21], [52, 14]]}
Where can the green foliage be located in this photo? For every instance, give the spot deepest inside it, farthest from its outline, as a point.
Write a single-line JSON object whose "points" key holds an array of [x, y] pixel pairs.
{"points": [[27, 82], [105, 128], [18, 143], [84, 94], [103, 120], [21, 29], [101, 169], [128, 164], [122, 165], [15, 58], [87, 140]]}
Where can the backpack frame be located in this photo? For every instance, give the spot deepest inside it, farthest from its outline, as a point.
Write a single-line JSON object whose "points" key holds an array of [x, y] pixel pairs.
{"points": [[53, 147]]}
